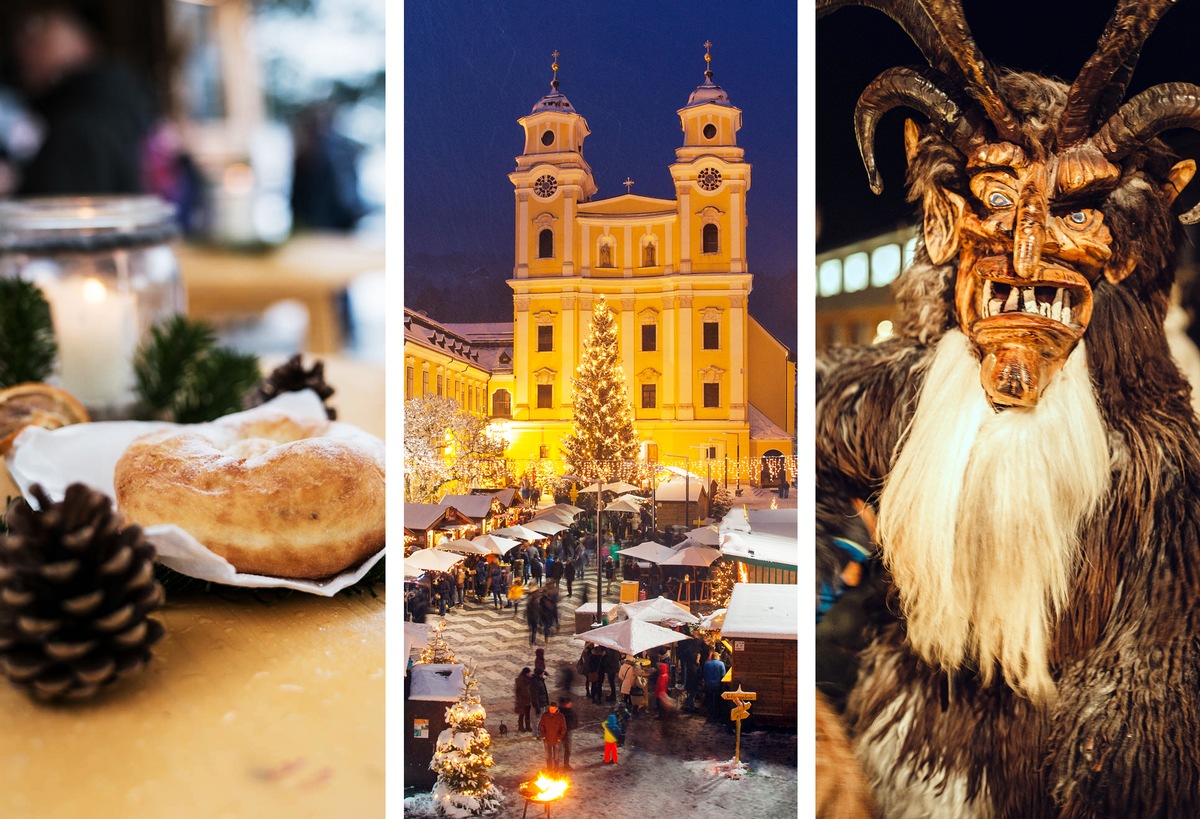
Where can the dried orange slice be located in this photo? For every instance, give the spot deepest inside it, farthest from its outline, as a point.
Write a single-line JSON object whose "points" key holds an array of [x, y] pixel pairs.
{"points": [[36, 404]]}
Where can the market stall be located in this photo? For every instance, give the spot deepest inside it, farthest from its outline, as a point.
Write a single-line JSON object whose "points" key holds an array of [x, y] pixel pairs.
{"points": [[761, 625]]}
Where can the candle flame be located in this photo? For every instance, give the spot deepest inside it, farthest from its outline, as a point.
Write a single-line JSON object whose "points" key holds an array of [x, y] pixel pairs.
{"points": [[94, 291]]}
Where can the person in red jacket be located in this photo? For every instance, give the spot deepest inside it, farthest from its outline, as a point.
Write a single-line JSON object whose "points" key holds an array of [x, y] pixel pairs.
{"points": [[660, 689], [553, 729]]}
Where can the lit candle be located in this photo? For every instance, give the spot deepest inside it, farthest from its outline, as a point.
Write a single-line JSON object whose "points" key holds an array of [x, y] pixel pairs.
{"points": [[97, 335]]}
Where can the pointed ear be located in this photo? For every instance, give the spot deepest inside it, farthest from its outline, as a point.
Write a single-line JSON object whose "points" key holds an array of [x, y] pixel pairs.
{"points": [[1118, 273], [1178, 179], [912, 135], [943, 217]]}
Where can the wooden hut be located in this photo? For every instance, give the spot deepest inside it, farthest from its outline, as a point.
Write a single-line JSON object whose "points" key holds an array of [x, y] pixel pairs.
{"points": [[761, 623], [678, 499], [427, 523], [485, 511]]}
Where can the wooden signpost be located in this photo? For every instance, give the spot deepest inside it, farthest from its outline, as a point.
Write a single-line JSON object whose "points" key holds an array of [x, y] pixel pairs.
{"points": [[742, 700]]}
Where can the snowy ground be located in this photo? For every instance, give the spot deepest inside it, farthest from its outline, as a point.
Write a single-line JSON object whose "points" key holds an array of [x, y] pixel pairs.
{"points": [[665, 767]]}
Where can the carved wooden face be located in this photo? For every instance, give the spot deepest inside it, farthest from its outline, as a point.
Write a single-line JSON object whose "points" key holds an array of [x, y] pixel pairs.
{"points": [[1031, 241]]}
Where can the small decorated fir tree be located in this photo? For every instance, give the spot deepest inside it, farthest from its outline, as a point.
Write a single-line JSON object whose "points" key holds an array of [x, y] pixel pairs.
{"points": [[461, 759], [602, 427], [720, 504], [437, 650], [723, 575]]}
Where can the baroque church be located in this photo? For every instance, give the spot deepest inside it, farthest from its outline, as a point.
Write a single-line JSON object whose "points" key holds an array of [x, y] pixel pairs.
{"points": [[706, 381]]}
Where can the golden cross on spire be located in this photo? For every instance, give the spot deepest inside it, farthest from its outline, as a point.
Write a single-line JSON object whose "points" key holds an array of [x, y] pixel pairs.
{"points": [[708, 60], [628, 183], [554, 65]]}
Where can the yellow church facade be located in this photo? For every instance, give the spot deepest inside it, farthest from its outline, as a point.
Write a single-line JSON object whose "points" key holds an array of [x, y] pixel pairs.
{"points": [[675, 272]]}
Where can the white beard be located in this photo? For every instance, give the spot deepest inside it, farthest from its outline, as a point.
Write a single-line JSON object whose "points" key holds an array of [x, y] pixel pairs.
{"points": [[979, 518]]}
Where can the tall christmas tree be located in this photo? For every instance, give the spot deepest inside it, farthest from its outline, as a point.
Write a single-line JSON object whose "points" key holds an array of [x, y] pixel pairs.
{"points": [[602, 428], [464, 787]]}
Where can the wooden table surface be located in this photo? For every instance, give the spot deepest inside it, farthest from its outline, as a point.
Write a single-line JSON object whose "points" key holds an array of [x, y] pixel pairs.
{"points": [[311, 268], [248, 709]]}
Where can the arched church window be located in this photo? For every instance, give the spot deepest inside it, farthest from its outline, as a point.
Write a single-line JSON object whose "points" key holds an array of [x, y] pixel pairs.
{"points": [[711, 243], [605, 255], [546, 244]]}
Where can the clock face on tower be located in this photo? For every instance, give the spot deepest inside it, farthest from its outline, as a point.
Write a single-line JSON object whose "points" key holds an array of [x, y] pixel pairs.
{"points": [[709, 179], [545, 186]]}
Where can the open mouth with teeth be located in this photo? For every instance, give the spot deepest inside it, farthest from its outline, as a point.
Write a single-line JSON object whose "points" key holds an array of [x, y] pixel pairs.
{"points": [[1041, 300], [1024, 327]]}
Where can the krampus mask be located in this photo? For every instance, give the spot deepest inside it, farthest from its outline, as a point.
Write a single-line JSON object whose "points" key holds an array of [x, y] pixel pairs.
{"points": [[1042, 193]]}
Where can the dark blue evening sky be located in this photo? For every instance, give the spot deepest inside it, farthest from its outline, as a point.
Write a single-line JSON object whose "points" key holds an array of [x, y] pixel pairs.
{"points": [[472, 69]]}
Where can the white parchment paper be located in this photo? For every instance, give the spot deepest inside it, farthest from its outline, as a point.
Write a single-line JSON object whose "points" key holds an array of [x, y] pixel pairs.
{"points": [[88, 453]]}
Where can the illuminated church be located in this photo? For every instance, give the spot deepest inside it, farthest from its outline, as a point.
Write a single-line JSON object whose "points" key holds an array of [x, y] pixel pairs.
{"points": [[706, 381]]}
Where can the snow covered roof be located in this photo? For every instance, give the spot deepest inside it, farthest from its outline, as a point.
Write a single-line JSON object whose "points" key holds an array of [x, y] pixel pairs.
{"points": [[709, 92], [675, 489], [440, 682], [425, 332], [421, 516], [475, 507], [763, 428], [770, 610], [482, 330], [554, 101], [782, 522], [506, 496], [763, 549]]}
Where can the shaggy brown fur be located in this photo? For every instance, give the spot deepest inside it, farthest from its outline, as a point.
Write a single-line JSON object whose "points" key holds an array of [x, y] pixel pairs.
{"points": [[842, 791], [1121, 737]]}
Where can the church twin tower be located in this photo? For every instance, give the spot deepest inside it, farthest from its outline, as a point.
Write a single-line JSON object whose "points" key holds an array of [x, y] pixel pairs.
{"points": [[673, 270]]}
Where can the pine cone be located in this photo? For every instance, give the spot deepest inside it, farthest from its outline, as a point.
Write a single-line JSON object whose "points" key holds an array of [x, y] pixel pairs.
{"points": [[75, 589], [292, 377]]}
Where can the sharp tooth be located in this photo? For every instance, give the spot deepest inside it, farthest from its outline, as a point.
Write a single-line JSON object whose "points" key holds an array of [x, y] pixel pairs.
{"points": [[1013, 303], [1066, 300], [996, 307], [1044, 308], [1030, 297], [1056, 310], [1066, 316]]}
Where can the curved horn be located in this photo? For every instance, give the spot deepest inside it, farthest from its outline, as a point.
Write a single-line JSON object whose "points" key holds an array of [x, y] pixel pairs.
{"points": [[922, 91], [950, 22], [1161, 108], [1101, 83], [940, 30], [912, 17]]}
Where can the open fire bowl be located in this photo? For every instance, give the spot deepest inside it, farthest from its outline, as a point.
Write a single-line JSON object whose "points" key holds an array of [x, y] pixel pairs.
{"points": [[544, 791]]}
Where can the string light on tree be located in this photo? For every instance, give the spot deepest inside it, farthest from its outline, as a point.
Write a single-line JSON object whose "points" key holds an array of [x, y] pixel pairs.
{"points": [[602, 426], [461, 758], [437, 650]]}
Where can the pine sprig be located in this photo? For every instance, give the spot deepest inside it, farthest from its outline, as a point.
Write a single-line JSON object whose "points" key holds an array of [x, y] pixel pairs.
{"points": [[28, 347], [183, 376]]}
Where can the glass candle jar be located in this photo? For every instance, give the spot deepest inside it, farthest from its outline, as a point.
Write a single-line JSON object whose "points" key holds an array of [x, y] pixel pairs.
{"points": [[106, 267]]}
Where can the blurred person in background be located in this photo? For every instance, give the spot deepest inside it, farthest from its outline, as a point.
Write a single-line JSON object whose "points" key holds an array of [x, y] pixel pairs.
{"points": [[95, 112], [325, 193]]}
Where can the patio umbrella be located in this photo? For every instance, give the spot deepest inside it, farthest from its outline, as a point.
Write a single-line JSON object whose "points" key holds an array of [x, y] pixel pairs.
{"points": [[648, 550], [657, 610], [566, 507], [713, 621], [693, 555], [593, 488], [706, 535], [494, 544], [431, 560], [556, 516], [622, 505], [544, 526], [466, 547], [620, 487], [631, 636], [520, 532]]}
